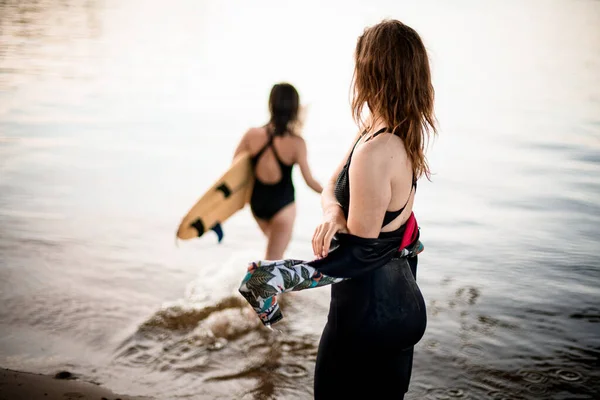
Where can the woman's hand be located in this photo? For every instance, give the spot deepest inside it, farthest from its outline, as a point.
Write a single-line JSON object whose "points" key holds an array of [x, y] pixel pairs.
{"points": [[333, 222]]}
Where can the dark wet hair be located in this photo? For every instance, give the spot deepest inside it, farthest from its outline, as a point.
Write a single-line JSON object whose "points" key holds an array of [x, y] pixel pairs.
{"points": [[284, 103]]}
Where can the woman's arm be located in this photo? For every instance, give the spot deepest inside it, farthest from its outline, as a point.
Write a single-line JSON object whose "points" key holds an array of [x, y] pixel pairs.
{"points": [[333, 216], [329, 204], [305, 169], [370, 190]]}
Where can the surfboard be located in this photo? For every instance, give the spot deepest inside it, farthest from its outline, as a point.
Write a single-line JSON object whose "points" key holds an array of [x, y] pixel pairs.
{"points": [[229, 194]]}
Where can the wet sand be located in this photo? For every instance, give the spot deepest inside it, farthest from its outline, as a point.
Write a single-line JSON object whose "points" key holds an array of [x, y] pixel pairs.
{"points": [[15, 385]]}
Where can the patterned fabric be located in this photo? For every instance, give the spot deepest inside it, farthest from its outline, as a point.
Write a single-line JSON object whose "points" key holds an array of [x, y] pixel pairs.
{"points": [[266, 279]]}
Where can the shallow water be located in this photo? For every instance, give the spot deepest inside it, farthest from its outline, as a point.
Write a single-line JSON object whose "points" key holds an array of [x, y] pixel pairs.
{"points": [[116, 115]]}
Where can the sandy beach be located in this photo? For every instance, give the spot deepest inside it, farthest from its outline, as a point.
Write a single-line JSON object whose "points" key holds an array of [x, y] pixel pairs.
{"points": [[15, 385]]}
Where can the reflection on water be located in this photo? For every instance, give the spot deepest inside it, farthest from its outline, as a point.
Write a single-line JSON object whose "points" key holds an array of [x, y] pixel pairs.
{"points": [[225, 344], [114, 115], [45, 38]]}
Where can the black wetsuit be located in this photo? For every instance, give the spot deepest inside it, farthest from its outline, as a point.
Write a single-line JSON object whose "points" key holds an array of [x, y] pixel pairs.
{"points": [[268, 199], [374, 321]]}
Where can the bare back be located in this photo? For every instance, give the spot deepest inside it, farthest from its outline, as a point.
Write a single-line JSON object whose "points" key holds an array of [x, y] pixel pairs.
{"points": [[267, 168]]}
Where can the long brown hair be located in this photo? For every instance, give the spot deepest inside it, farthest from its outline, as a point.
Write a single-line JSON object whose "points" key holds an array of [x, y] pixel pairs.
{"points": [[392, 78]]}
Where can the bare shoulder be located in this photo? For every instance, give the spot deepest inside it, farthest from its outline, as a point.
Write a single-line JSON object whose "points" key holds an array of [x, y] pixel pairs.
{"points": [[255, 138], [297, 145], [390, 147], [298, 141], [380, 154], [381, 149], [256, 132]]}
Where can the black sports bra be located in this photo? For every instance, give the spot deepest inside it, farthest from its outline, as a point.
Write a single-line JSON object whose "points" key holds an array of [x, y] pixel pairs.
{"points": [[342, 188]]}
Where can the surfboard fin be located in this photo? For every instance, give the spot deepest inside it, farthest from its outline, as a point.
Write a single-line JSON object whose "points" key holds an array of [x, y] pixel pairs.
{"points": [[218, 229], [199, 227]]}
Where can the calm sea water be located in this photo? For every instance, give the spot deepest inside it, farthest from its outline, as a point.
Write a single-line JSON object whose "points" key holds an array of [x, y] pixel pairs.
{"points": [[116, 115]]}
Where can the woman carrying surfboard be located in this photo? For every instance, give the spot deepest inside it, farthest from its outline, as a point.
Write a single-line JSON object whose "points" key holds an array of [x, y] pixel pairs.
{"points": [[367, 245], [275, 148]]}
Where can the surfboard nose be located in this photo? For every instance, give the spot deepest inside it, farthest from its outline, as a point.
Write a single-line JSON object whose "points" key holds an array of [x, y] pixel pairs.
{"points": [[189, 231], [185, 234], [196, 229]]}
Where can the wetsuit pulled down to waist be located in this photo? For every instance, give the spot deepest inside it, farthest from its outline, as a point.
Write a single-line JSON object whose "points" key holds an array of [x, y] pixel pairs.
{"points": [[351, 257], [377, 312]]}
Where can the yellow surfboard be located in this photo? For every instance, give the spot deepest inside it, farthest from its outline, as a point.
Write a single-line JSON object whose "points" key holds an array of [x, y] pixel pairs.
{"points": [[227, 195]]}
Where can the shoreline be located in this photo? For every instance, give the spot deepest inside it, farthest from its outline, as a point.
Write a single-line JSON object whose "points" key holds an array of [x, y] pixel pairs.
{"points": [[19, 385]]}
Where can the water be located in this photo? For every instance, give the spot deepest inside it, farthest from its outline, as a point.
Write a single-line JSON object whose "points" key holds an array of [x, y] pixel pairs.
{"points": [[116, 115]]}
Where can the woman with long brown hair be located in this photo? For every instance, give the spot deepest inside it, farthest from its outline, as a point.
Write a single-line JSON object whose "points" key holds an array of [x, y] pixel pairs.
{"points": [[377, 313], [371, 195]]}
